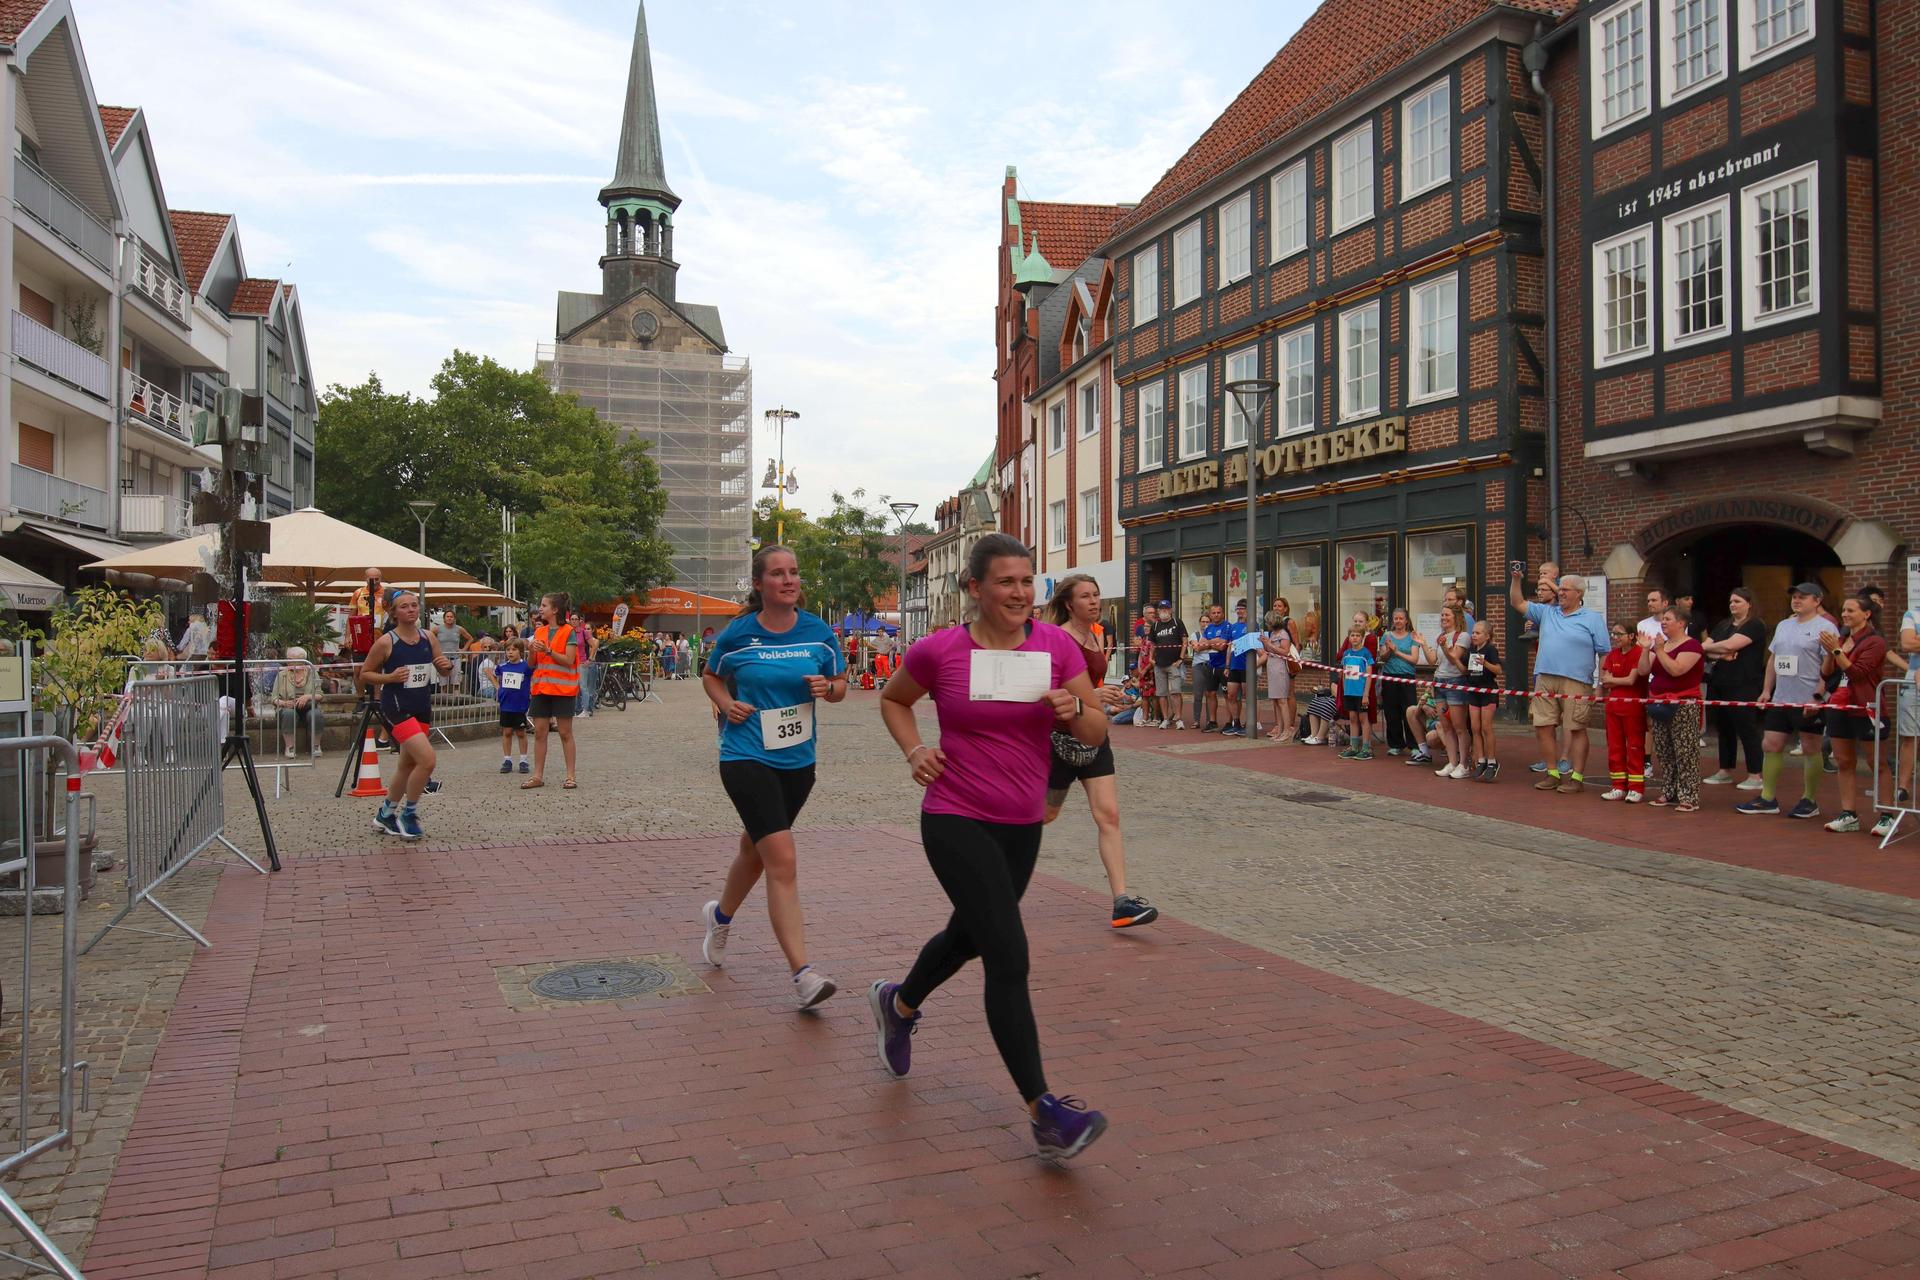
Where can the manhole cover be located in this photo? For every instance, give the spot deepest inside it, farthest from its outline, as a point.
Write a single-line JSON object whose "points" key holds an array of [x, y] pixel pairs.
{"points": [[1315, 797], [601, 981]]}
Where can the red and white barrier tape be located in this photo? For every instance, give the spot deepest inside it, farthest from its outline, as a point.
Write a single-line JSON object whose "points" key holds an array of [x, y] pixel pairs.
{"points": [[1571, 697]]}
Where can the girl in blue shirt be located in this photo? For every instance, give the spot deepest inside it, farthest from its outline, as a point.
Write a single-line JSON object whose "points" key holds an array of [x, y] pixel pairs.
{"points": [[1355, 662], [765, 674]]}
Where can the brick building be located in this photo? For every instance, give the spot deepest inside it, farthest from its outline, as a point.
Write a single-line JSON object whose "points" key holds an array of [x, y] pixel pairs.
{"points": [[1361, 226], [1034, 235], [1736, 347]]}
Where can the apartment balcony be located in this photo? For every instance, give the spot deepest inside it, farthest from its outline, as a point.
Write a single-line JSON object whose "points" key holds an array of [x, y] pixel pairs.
{"points": [[155, 406], [58, 357], [46, 495], [155, 515], [48, 203], [157, 285]]}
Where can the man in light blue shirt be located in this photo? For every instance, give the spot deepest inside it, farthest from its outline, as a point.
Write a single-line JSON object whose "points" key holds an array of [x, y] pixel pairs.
{"points": [[1572, 638]]}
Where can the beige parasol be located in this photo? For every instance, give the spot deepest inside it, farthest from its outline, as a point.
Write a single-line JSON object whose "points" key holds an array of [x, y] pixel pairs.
{"points": [[311, 550]]}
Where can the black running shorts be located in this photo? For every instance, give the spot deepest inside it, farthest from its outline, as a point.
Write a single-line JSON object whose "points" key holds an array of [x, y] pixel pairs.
{"points": [[767, 799], [1061, 775]]}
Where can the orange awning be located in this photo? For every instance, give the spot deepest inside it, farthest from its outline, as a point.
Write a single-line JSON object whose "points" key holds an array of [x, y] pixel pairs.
{"points": [[671, 600]]}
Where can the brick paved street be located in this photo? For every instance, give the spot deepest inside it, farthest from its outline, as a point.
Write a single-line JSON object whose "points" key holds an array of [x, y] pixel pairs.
{"points": [[1380, 1033]]}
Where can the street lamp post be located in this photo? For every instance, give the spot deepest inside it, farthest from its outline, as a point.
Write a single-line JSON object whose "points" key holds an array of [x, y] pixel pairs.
{"points": [[903, 512], [422, 509], [780, 418], [1252, 395]]}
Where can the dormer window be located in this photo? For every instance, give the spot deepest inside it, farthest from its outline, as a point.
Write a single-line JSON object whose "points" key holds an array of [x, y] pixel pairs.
{"points": [[1080, 340]]}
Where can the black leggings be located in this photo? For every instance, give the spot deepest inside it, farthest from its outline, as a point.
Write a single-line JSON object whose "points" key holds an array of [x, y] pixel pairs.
{"points": [[984, 867], [1394, 701], [1737, 727]]}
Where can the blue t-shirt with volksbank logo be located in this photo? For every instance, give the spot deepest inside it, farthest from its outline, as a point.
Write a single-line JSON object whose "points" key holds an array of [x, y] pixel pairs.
{"points": [[768, 671]]}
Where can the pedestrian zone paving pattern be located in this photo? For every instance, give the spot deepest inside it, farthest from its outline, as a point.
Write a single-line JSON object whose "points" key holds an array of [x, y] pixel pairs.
{"points": [[1417, 1042]]}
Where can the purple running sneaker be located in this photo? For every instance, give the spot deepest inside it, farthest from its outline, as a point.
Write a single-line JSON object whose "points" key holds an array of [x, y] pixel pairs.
{"points": [[1065, 1127], [893, 1032]]}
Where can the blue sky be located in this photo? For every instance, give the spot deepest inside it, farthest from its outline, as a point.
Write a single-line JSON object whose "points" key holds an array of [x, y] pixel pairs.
{"points": [[426, 173]]}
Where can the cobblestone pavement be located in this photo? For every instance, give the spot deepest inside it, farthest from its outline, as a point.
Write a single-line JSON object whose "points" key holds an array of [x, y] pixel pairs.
{"points": [[1785, 997]]}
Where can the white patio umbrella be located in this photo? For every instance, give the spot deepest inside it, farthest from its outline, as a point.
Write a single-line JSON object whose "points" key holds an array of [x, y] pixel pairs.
{"points": [[311, 550]]}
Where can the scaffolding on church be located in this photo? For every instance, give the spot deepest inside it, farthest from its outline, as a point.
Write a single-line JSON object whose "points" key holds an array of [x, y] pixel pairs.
{"points": [[697, 413]]}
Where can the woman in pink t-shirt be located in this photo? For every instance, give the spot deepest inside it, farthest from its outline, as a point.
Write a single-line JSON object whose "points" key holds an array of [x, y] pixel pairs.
{"points": [[1001, 686]]}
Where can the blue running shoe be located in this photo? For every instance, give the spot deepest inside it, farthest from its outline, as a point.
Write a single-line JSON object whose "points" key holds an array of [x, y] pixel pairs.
{"points": [[894, 1033], [525, 767], [387, 821], [1065, 1127], [1805, 809], [410, 825], [506, 766], [1758, 806]]}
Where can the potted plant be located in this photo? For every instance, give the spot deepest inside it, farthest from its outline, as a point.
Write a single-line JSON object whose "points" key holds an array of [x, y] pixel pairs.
{"points": [[79, 673]]}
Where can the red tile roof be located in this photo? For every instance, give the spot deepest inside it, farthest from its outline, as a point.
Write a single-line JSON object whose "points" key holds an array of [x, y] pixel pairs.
{"points": [[15, 15], [116, 120], [198, 235], [254, 297], [1068, 232], [1342, 47]]}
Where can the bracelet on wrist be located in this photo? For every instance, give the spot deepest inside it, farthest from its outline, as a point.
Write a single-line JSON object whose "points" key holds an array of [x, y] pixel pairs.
{"points": [[916, 750]]}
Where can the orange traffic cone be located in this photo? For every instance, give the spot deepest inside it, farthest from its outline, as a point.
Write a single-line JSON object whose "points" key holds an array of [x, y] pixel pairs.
{"points": [[368, 783]]}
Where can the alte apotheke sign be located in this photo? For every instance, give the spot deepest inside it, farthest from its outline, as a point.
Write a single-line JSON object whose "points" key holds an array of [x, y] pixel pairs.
{"points": [[1291, 457]]}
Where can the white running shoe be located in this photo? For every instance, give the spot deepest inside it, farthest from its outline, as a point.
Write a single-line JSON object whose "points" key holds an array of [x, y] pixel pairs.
{"points": [[1719, 779], [714, 945], [1179, 724], [1635, 797], [1461, 771], [1444, 771], [1752, 782], [1166, 724], [811, 987], [1615, 793]]}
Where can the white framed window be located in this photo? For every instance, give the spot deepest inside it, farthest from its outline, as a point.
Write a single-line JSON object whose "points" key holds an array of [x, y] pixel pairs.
{"points": [[1079, 341], [1193, 413], [1622, 75], [1146, 284], [1770, 26], [1780, 229], [1360, 362], [1056, 426], [1697, 46], [1353, 178], [1057, 525], [1236, 238], [1623, 296], [1695, 245], [1298, 381], [1241, 366], [1186, 263], [1089, 409], [1426, 122], [1434, 362], [1287, 225], [1152, 403], [1090, 515]]}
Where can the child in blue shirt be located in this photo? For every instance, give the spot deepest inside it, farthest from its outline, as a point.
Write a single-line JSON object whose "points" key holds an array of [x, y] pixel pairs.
{"points": [[513, 676], [1355, 662]]}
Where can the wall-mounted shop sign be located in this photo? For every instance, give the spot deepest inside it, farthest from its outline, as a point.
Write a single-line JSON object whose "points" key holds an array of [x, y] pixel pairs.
{"points": [[1808, 515], [1291, 457]]}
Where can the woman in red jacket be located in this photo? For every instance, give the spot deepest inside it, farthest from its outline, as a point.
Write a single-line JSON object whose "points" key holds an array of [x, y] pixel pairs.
{"points": [[1852, 717]]}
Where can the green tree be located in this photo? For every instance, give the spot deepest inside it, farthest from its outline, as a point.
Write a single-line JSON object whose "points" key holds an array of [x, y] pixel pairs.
{"points": [[767, 520], [490, 437], [844, 556]]}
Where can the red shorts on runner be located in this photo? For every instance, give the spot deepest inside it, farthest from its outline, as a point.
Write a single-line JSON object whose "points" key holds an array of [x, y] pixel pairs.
{"points": [[408, 728]]}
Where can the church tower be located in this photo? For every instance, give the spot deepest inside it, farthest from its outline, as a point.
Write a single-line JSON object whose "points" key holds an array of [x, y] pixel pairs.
{"points": [[638, 201]]}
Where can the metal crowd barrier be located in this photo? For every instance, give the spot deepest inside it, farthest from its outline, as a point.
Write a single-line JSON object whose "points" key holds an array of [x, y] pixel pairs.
{"points": [[1896, 771], [170, 748], [18, 858]]}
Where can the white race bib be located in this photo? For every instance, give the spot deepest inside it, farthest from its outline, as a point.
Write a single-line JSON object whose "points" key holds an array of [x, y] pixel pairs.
{"points": [[1476, 663], [783, 727], [1354, 673], [1005, 675], [512, 679], [1786, 664], [419, 675]]}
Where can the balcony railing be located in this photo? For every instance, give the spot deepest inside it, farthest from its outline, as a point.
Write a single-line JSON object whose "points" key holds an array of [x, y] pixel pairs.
{"points": [[60, 213], [155, 515], [47, 495], [58, 357], [157, 283], [155, 405]]}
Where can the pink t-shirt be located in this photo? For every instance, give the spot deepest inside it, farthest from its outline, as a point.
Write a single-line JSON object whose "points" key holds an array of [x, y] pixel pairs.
{"points": [[998, 753]]}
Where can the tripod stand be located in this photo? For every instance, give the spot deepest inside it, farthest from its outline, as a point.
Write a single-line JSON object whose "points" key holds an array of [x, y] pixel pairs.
{"points": [[366, 718], [236, 746]]}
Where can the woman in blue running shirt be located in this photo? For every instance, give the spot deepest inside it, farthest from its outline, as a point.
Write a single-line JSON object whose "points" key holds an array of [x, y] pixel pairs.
{"points": [[765, 674]]}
